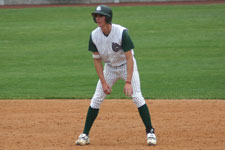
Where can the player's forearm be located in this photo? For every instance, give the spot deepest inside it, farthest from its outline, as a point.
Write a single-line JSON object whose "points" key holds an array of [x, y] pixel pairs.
{"points": [[130, 66], [99, 69]]}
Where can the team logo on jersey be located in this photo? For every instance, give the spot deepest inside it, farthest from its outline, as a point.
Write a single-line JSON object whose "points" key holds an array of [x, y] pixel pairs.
{"points": [[116, 47]]}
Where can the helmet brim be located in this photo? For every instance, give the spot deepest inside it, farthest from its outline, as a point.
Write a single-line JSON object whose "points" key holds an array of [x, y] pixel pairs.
{"points": [[99, 13]]}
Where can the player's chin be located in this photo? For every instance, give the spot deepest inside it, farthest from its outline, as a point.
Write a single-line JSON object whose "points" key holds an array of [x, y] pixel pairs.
{"points": [[100, 24]]}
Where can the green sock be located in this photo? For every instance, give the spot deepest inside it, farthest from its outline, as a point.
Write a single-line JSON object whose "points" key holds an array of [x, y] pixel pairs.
{"points": [[91, 116], [145, 116]]}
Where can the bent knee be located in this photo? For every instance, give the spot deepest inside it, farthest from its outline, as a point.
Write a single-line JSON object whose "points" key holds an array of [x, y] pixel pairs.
{"points": [[96, 102], [138, 99]]}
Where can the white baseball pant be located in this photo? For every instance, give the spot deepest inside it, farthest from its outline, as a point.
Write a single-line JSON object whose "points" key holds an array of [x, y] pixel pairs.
{"points": [[111, 75]]}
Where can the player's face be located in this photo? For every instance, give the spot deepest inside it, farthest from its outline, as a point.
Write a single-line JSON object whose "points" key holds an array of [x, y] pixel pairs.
{"points": [[100, 19]]}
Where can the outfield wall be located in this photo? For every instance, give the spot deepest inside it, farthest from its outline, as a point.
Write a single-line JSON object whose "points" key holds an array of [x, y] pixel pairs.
{"points": [[34, 2]]}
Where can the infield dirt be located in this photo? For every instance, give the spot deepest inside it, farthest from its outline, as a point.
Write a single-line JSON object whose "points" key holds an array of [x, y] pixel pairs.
{"points": [[56, 124]]}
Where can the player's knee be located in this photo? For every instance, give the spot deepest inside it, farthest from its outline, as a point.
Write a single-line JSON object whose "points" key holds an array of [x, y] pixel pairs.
{"points": [[95, 102], [95, 105], [138, 99]]}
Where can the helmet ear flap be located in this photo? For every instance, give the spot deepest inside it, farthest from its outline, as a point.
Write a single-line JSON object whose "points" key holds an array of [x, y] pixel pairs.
{"points": [[108, 19], [94, 18]]}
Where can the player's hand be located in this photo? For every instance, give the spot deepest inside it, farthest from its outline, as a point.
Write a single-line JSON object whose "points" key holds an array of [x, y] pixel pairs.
{"points": [[128, 90], [106, 89]]}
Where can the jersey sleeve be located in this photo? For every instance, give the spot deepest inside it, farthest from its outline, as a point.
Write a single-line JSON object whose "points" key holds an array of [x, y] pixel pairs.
{"points": [[91, 46], [127, 43]]}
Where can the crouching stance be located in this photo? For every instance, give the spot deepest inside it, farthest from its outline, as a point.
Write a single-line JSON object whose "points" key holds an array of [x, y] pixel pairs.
{"points": [[112, 44]]}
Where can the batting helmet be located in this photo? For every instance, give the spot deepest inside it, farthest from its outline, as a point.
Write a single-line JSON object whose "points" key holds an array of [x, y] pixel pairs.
{"points": [[105, 11]]}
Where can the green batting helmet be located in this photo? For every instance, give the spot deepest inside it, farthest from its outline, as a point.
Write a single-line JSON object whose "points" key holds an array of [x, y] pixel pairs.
{"points": [[105, 11]]}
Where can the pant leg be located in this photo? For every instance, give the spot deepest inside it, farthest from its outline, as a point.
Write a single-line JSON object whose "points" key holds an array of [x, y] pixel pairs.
{"points": [[111, 77], [137, 97]]}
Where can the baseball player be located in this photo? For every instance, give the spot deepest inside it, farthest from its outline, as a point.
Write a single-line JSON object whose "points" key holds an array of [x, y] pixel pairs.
{"points": [[112, 44]]}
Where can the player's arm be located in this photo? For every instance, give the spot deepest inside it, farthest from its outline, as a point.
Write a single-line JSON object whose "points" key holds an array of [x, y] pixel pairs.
{"points": [[130, 65], [99, 70], [127, 46], [98, 65]]}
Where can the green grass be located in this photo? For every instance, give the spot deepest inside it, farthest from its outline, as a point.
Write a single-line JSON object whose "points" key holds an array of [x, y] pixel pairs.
{"points": [[180, 51]]}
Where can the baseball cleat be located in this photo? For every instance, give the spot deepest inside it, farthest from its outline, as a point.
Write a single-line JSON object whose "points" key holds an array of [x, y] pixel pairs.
{"points": [[83, 139], [151, 138]]}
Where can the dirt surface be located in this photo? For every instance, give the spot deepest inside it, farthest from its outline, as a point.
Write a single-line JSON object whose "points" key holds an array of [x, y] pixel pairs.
{"points": [[56, 124], [120, 4]]}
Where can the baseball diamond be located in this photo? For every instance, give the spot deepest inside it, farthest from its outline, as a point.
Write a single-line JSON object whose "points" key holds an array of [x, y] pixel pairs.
{"points": [[47, 124]]}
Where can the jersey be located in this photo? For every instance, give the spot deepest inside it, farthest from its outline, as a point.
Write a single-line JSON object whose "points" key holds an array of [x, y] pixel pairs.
{"points": [[111, 48]]}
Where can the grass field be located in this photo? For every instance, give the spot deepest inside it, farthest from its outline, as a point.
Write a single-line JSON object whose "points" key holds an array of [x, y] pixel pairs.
{"points": [[180, 51]]}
